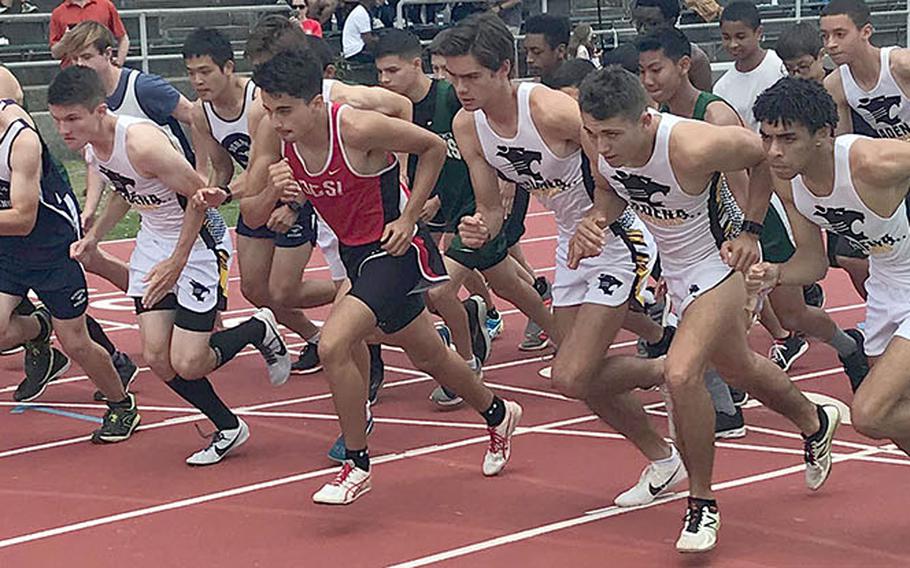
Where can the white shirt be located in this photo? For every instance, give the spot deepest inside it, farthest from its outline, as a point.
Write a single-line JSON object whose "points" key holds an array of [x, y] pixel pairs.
{"points": [[741, 89], [358, 22]]}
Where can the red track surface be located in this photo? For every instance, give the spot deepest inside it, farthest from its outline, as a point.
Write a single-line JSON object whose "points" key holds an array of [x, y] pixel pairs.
{"points": [[70, 503]]}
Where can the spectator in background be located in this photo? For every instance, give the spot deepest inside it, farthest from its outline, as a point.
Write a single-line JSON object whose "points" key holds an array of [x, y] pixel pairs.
{"points": [[546, 44], [581, 46], [510, 12], [71, 12], [570, 75], [310, 26], [357, 37], [16, 7], [649, 16]]}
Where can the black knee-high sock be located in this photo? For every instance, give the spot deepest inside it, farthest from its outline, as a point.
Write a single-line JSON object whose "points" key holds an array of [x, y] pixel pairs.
{"points": [[98, 336], [25, 307], [201, 395], [377, 367], [229, 342]]}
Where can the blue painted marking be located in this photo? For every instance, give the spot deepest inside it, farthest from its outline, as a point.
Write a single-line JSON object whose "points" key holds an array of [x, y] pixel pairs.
{"points": [[57, 412]]}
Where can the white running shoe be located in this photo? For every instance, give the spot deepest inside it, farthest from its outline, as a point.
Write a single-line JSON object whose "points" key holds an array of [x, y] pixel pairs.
{"points": [[223, 442], [350, 483], [657, 479], [818, 452], [500, 449], [700, 527], [273, 349]]}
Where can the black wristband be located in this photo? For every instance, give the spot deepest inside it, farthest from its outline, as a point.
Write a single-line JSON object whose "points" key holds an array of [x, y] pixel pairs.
{"points": [[753, 228], [227, 189]]}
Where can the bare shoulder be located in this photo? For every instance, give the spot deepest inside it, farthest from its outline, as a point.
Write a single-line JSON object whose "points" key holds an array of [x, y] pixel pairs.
{"points": [[549, 106], [834, 85], [720, 113], [900, 65], [880, 161], [144, 142]]}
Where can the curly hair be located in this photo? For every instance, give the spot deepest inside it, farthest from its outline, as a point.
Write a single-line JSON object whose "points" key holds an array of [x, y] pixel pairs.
{"points": [[796, 101]]}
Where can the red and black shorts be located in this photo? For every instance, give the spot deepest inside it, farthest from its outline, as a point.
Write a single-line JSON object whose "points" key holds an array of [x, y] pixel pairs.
{"points": [[393, 286]]}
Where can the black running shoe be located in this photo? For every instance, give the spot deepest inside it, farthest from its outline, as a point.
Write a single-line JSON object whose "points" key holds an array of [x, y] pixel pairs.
{"points": [[729, 426], [476, 309], [120, 420], [814, 295], [856, 365], [784, 353], [43, 364], [659, 349], [377, 373], [126, 370], [740, 398], [308, 362]]}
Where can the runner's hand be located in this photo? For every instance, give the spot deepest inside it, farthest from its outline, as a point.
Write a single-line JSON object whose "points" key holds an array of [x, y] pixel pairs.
{"points": [[396, 236], [281, 179], [160, 280], [430, 208], [762, 277], [473, 231], [588, 240], [282, 219], [741, 252], [83, 249], [207, 197]]}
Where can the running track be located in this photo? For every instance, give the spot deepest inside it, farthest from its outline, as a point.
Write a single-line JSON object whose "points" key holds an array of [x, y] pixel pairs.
{"points": [[70, 503]]}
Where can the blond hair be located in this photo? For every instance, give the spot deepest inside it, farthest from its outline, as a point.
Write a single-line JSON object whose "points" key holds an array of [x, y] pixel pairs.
{"points": [[85, 34]]}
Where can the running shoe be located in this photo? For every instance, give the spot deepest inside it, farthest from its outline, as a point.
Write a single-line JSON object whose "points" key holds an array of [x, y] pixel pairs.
{"points": [[700, 526], [222, 443], [729, 426], [856, 365], [308, 362], [495, 324], [273, 348], [500, 449], [476, 309], [818, 447], [657, 479], [350, 484], [43, 364], [785, 353], [119, 422]]}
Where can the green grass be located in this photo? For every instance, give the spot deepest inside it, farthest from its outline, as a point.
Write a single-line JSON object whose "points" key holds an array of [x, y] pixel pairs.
{"points": [[129, 226]]}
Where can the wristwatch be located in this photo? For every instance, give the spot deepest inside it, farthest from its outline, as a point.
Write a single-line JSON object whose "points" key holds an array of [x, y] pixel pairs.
{"points": [[753, 228]]}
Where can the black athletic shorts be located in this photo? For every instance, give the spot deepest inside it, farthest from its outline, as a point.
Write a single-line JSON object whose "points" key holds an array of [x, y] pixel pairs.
{"points": [[393, 286], [514, 226], [60, 288]]}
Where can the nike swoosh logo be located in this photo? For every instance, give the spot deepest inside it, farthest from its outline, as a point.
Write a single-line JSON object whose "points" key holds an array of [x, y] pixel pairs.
{"points": [[655, 490], [224, 450], [335, 171]]}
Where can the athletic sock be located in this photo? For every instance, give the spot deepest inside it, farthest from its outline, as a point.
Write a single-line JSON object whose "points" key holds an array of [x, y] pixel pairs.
{"points": [[361, 458], [377, 367], [314, 340], [228, 343], [44, 330], [496, 413], [540, 285], [674, 455], [98, 336], [843, 343], [696, 503], [201, 395], [492, 314], [25, 307]]}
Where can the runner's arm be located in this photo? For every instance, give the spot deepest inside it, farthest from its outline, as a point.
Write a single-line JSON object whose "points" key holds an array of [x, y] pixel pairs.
{"points": [[835, 88], [483, 176], [25, 186], [259, 198], [208, 148]]}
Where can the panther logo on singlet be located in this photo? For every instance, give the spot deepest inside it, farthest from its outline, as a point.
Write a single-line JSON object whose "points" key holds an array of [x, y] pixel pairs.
{"points": [[237, 145], [886, 124], [645, 197], [199, 291], [5, 201], [124, 186], [521, 160], [608, 284], [841, 220]]}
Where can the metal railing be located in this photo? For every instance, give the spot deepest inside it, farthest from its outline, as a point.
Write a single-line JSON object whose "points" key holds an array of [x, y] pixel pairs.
{"points": [[142, 14]]}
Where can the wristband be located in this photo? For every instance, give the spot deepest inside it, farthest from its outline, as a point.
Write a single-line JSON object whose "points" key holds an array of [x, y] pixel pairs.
{"points": [[752, 228], [227, 189]]}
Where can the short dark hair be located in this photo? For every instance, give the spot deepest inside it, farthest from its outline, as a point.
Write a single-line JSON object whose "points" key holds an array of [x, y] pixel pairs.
{"points": [[741, 11], [571, 73], [76, 85], [483, 35], [555, 29], [272, 34], [856, 10], [802, 38], [669, 9], [626, 56], [320, 50], [401, 43], [610, 92], [672, 41], [796, 101], [296, 73], [211, 42]]}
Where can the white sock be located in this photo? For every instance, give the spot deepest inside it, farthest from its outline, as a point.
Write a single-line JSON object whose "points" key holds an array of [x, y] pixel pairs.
{"points": [[674, 455], [315, 339]]}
